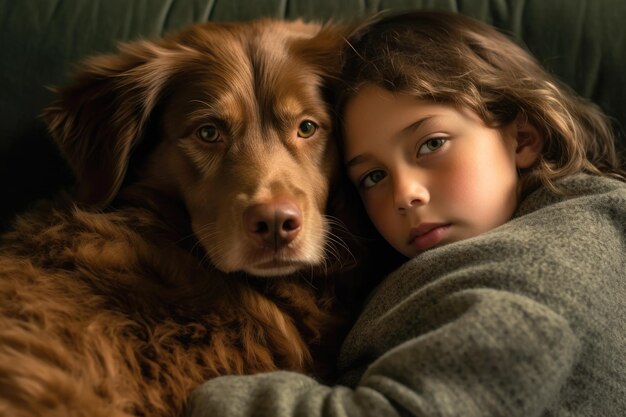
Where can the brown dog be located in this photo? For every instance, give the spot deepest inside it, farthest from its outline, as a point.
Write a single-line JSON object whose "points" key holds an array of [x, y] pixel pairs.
{"points": [[203, 162]]}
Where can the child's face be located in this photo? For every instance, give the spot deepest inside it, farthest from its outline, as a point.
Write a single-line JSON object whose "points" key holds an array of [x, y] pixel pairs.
{"points": [[429, 174]]}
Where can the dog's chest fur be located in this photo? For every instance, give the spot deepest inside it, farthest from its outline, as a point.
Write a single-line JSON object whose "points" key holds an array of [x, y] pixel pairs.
{"points": [[89, 293]]}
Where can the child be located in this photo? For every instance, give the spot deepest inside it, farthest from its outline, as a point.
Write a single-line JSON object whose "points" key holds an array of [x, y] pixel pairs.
{"points": [[507, 193]]}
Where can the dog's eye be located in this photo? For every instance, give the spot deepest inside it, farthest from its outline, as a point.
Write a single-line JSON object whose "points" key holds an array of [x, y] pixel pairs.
{"points": [[307, 129], [208, 133]]}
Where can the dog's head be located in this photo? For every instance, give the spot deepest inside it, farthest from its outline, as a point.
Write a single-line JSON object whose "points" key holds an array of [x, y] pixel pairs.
{"points": [[236, 127]]}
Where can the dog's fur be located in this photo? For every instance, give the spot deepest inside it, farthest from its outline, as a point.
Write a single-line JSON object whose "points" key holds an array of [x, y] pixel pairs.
{"points": [[192, 248]]}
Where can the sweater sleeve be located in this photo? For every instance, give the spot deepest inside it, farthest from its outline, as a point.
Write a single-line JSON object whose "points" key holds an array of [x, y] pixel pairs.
{"points": [[494, 353]]}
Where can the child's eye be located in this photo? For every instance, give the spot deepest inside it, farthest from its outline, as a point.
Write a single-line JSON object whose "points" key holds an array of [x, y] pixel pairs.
{"points": [[372, 178], [431, 145]]}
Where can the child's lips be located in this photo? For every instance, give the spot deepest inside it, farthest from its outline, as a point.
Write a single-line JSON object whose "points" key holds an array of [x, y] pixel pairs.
{"points": [[427, 235]]}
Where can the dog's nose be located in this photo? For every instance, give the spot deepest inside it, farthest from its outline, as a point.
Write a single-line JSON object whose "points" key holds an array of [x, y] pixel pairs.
{"points": [[273, 224]]}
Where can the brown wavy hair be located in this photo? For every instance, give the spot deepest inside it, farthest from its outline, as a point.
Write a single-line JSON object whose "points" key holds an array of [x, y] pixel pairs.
{"points": [[450, 58]]}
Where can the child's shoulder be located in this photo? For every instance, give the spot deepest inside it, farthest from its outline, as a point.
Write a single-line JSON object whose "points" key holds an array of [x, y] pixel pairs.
{"points": [[578, 192], [586, 184]]}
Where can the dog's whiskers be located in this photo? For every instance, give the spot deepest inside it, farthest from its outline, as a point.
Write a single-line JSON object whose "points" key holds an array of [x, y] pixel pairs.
{"points": [[340, 226], [335, 245], [308, 278]]}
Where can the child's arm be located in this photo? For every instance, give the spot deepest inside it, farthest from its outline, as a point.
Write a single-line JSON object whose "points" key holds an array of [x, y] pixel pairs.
{"points": [[501, 355]]}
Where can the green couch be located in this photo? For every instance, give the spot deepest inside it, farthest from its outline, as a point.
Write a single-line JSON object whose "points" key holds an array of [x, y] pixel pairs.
{"points": [[582, 41]]}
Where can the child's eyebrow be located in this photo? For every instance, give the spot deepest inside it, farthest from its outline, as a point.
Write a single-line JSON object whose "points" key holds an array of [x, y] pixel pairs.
{"points": [[416, 125], [359, 159]]}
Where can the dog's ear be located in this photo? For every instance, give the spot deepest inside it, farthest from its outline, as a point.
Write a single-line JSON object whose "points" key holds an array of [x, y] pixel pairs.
{"points": [[100, 116], [323, 50]]}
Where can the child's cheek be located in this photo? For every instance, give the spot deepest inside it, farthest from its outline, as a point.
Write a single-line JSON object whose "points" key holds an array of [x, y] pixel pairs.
{"points": [[456, 182], [376, 206], [482, 192]]}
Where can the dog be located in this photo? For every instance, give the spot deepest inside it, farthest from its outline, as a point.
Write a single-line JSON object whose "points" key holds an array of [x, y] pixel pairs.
{"points": [[197, 241]]}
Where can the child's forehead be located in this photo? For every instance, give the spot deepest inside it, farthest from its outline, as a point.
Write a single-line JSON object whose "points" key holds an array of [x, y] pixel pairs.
{"points": [[376, 108], [373, 93]]}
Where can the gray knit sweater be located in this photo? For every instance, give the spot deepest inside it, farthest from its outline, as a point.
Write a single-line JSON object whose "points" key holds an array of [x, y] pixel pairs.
{"points": [[527, 320]]}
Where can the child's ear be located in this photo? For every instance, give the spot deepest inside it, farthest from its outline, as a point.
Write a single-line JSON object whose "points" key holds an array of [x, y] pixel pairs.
{"points": [[529, 143]]}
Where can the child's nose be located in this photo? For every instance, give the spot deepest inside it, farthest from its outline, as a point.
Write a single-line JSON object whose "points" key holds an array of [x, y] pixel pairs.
{"points": [[408, 193]]}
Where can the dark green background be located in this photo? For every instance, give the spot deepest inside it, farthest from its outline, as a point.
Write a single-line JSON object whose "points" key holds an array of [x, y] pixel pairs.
{"points": [[582, 41]]}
